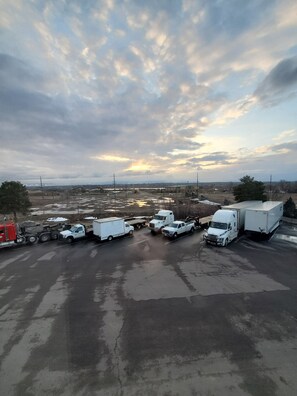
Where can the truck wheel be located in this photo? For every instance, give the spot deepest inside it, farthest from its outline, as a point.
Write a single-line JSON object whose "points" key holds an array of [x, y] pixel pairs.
{"points": [[226, 242], [69, 239], [175, 235], [31, 239], [192, 230], [110, 238], [44, 238], [130, 232]]}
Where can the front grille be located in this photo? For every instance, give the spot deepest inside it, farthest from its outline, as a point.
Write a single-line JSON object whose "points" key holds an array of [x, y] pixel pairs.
{"points": [[152, 225], [212, 237]]}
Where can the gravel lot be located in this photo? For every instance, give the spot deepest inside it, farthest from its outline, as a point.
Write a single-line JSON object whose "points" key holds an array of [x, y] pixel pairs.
{"points": [[147, 316]]}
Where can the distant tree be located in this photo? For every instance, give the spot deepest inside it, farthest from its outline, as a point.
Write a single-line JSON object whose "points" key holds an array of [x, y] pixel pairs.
{"points": [[14, 198], [290, 208], [249, 189]]}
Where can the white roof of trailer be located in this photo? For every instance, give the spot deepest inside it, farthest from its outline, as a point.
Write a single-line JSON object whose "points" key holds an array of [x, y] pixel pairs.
{"points": [[106, 219], [266, 206], [243, 204]]}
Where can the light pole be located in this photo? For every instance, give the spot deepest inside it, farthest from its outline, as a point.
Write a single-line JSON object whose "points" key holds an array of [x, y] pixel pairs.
{"points": [[197, 185]]}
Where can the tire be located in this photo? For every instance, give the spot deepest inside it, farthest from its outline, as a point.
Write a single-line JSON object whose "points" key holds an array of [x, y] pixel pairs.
{"points": [[69, 240], [175, 235], [44, 238], [192, 230], [31, 239], [226, 242], [110, 238], [130, 232]]}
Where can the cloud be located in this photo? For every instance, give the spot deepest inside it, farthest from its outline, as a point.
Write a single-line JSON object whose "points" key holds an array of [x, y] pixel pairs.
{"points": [[111, 158], [285, 135], [128, 87], [280, 83]]}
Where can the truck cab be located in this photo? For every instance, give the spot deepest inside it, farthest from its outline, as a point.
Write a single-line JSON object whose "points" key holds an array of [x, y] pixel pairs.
{"points": [[223, 228], [160, 220], [77, 231]]}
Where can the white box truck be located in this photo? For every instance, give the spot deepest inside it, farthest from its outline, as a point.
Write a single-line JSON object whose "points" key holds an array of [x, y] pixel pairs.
{"points": [[227, 223], [160, 220], [111, 227], [263, 218]]}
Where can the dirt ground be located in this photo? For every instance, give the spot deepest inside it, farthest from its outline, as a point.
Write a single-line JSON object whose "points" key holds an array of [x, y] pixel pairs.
{"points": [[77, 203]]}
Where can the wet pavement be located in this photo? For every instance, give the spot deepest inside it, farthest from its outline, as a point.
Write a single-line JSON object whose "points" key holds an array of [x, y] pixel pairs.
{"points": [[147, 316]]}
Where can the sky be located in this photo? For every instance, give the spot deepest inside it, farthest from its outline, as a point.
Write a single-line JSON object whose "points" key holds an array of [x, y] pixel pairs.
{"points": [[156, 90]]}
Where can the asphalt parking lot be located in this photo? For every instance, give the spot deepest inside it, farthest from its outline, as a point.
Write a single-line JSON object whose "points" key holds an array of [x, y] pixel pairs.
{"points": [[147, 316]]}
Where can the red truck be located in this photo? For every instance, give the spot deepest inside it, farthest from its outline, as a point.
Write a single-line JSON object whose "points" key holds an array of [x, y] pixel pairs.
{"points": [[9, 235]]}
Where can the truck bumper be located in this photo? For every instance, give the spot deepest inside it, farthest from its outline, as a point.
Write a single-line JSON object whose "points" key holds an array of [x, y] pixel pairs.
{"points": [[213, 242]]}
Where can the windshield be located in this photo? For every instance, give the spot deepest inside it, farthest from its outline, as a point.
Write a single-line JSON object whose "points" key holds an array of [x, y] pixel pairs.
{"points": [[174, 225], [221, 226], [158, 217], [73, 229]]}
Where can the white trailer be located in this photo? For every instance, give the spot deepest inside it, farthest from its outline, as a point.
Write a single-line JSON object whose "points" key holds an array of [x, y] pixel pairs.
{"points": [[241, 208], [263, 218], [111, 227]]}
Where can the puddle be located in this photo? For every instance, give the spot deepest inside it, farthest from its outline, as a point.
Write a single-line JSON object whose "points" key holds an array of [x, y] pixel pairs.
{"points": [[288, 238], [137, 202]]}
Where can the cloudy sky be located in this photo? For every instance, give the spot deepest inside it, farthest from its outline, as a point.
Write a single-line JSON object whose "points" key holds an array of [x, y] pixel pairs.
{"points": [[154, 90]]}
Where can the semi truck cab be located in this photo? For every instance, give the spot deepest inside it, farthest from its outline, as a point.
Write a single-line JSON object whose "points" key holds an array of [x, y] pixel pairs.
{"points": [[223, 228], [160, 220]]}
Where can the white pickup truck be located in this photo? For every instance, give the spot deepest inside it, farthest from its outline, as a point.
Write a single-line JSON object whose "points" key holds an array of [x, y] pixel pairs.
{"points": [[178, 228], [76, 232]]}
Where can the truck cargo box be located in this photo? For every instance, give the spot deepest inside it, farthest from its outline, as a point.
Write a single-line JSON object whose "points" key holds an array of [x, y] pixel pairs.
{"points": [[263, 218], [111, 227], [241, 208]]}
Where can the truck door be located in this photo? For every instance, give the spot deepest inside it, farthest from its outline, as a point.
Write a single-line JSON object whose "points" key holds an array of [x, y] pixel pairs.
{"points": [[79, 232], [233, 227]]}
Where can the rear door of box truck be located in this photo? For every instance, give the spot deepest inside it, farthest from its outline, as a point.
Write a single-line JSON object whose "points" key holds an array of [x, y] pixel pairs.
{"points": [[256, 220]]}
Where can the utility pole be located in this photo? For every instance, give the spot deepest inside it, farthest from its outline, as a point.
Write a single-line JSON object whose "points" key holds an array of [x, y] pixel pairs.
{"points": [[41, 187], [270, 188], [114, 183], [197, 185], [42, 194]]}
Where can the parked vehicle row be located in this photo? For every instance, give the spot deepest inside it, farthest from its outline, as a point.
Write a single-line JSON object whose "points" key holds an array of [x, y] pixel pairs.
{"points": [[223, 227]]}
